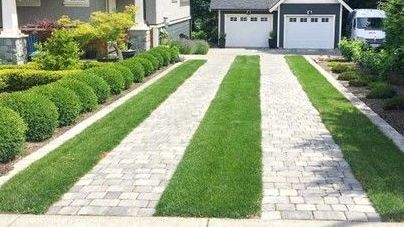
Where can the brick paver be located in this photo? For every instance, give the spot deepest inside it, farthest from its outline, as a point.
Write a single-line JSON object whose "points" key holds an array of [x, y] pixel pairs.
{"points": [[131, 179], [305, 174]]}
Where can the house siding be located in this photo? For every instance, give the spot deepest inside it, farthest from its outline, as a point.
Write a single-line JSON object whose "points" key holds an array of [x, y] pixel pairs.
{"points": [[54, 9], [175, 30], [329, 9]]}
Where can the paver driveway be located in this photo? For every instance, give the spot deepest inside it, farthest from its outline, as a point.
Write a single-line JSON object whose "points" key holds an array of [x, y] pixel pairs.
{"points": [[131, 179], [305, 174]]}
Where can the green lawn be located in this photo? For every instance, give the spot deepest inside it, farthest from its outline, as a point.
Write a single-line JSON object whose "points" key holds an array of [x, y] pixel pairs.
{"points": [[220, 174], [35, 189], [376, 162]]}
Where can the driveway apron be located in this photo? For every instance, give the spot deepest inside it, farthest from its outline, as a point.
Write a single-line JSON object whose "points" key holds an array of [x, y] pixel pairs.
{"points": [[305, 174], [130, 179]]}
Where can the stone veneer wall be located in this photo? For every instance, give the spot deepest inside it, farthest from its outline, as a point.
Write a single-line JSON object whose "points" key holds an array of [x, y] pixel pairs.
{"points": [[13, 50], [140, 39]]}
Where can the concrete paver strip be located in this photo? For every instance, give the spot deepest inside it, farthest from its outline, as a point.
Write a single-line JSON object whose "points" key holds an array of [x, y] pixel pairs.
{"points": [[131, 179], [305, 174]]}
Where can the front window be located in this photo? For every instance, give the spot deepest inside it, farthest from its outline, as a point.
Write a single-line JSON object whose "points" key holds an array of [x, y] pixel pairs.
{"points": [[369, 23]]}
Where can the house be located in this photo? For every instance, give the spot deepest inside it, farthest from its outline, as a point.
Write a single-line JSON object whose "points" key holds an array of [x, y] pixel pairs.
{"points": [[173, 15], [313, 24]]}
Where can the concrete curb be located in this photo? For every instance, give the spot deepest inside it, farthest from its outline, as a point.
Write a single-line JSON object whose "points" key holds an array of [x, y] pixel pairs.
{"points": [[52, 145], [387, 130], [89, 221]]}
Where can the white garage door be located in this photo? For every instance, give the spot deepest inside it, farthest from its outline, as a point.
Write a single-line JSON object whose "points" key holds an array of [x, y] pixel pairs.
{"points": [[247, 30], [317, 32]]}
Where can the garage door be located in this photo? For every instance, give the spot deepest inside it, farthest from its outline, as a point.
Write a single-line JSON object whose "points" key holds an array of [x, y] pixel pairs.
{"points": [[247, 30], [315, 32]]}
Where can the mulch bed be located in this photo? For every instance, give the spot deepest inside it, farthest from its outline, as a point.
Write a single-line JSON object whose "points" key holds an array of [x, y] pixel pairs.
{"points": [[395, 118], [30, 148]]}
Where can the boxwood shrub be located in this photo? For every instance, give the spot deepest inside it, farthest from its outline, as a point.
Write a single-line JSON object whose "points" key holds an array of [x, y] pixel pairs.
{"points": [[12, 134], [85, 94], [65, 100], [99, 86], [137, 69], [113, 78], [175, 54], [126, 73], [38, 112], [164, 53], [158, 56], [151, 58], [147, 66]]}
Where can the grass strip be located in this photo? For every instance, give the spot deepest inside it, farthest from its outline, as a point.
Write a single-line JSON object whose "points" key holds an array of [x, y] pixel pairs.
{"points": [[376, 162], [220, 174], [35, 189]]}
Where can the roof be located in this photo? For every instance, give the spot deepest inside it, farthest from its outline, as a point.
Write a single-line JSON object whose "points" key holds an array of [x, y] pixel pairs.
{"points": [[242, 4]]}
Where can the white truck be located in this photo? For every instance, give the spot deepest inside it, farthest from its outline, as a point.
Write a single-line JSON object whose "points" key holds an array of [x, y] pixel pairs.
{"points": [[367, 25]]}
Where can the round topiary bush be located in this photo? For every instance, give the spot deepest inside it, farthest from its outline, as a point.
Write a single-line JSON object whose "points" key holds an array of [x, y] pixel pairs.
{"points": [[65, 100], [99, 86], [136, 68], [126, 73], [85, 94], [114, 78], [147, 66], [164, 53], [151, 58], [12, 134], [38, 112], [158, 56], [175, 54]]}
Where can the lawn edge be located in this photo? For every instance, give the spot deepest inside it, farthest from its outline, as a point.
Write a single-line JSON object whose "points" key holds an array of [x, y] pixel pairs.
{"points": [[381, 124]]}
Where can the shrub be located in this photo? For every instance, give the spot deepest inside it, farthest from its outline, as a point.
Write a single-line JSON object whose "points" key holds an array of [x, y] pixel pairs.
{"points": [[114, 79], [147, 66], [99, 86], [349, 75], [136, 68], [395, 103], [346, 48], [175, 54], [12, 134], [38, 112], [159, 58], [60, 51], [65, 100], [380, 90], [164, 54], [201, 47], [22, 79], [183, 45], [340, 67], [126, 73], [85, 94], [155, 62], [358, 83], [375, 62]]}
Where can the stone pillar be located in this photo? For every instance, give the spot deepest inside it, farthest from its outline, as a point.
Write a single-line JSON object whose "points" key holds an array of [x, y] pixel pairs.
{"points": [[13, 44], [139, 34]]}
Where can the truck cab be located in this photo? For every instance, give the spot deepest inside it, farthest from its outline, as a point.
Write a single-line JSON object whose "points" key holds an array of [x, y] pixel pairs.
{"points": [[367, 25]]}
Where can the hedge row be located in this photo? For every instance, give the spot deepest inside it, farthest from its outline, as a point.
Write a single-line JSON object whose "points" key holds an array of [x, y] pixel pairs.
{"points": [[34, 114]]}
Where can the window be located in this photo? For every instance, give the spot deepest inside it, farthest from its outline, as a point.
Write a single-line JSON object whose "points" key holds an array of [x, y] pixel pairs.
{"points": [[303, 19], [28, 2], [243, 18], [233, 18], [325, 20], [314, 20], [254, 19], [78, 3], [292, 19], [263, 19], [370, 23]]}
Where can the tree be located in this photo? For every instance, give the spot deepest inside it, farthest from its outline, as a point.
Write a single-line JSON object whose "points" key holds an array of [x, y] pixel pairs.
{"points": [[204, 21]]}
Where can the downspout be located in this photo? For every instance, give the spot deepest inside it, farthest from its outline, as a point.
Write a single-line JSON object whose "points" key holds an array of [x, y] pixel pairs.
{"points": [[340, 24], [278, 27], [219, 27]]}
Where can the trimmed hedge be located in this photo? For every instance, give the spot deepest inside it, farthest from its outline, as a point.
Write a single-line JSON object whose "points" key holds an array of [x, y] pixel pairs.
{"points": [[175, 54], [151, 58], [137, 69], [12, 134], [158, 56], [147, 66], [22, 79], [65, 100], [85, 94], [165, 53], [38, 112], [114, 78], [99, 86], [126, 73]]}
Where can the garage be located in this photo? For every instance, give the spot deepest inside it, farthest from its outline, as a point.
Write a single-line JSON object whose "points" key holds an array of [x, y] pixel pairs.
{"points": [[244, 30], [314, 31]]}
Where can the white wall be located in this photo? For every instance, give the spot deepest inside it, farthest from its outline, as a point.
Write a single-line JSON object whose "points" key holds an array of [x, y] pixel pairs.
{"points": [[173, 9]]}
